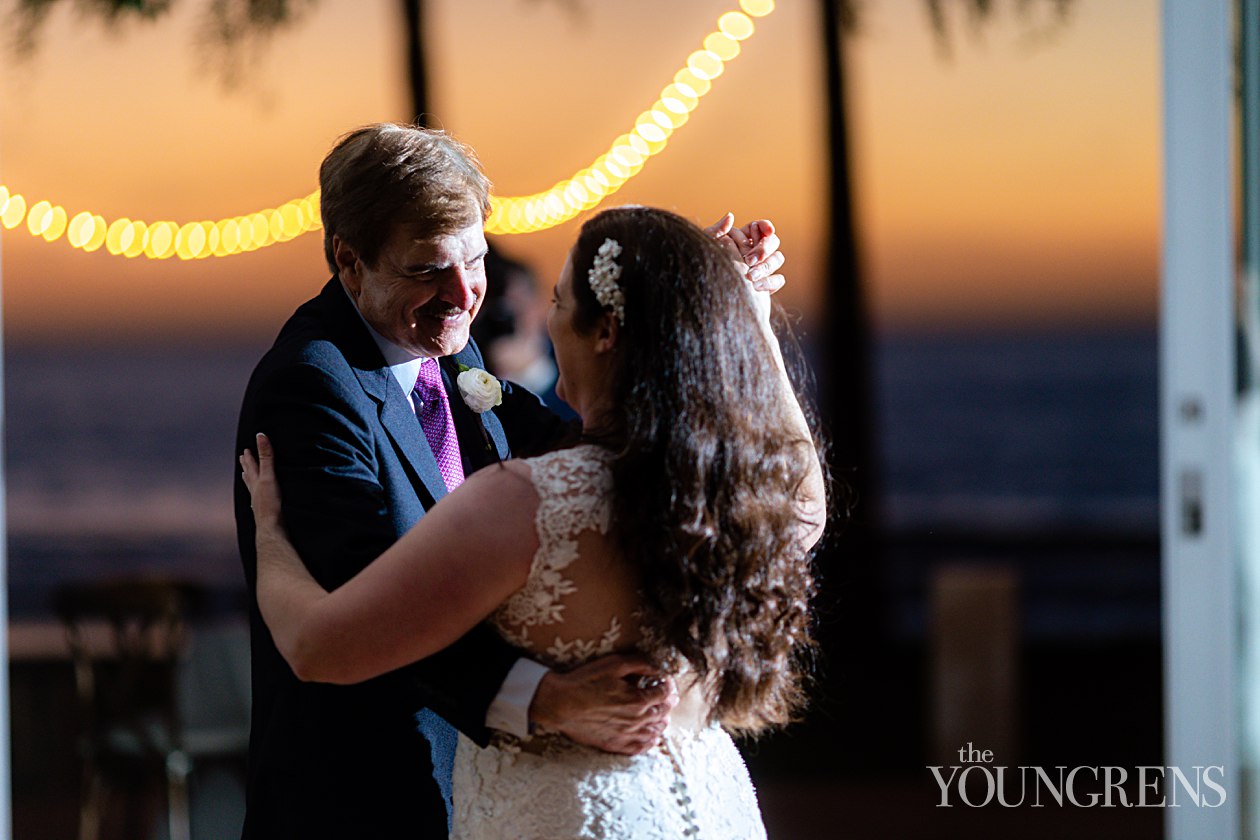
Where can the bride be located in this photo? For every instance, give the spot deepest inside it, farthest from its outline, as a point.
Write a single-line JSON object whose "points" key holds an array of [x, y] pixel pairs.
{"points": [[679, 525]]}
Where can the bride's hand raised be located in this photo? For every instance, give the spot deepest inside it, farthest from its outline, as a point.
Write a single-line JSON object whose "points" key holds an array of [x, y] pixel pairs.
{"points": [[260, 477], [754, 248]]}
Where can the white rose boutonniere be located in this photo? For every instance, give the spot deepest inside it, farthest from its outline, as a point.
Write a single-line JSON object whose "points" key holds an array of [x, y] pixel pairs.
{"points": [[480, 390]]}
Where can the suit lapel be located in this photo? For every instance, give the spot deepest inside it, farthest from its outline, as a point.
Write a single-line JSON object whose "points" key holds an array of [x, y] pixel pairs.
{"points": [[400, 423], [394, 409]]}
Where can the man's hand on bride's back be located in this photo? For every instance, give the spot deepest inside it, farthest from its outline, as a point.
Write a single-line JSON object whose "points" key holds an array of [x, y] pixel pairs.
{"points": [[617, 703]]}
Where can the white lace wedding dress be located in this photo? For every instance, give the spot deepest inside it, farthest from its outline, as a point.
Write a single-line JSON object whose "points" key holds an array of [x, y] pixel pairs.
{"points": [[579, 602]]}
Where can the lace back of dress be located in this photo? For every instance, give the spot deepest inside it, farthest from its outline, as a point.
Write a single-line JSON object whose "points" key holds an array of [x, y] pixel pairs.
{"points": [[580, 601], [580, 597]]}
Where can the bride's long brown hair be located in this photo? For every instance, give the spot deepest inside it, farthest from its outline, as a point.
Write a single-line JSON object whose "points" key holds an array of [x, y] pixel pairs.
{"points": [[707, 468]]}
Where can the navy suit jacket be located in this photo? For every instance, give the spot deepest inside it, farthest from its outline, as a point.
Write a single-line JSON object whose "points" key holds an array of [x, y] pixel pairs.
{"points": [[356, 472]]}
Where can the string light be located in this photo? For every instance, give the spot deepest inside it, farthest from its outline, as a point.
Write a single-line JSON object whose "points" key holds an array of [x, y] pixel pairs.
{"points": [[624, 158]]}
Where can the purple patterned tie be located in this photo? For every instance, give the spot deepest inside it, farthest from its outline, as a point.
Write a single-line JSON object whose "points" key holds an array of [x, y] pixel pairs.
{"points": [[434, 411]]}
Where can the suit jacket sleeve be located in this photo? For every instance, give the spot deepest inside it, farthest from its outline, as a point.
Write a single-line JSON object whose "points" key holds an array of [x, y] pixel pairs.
{"points": [[339, 516]]}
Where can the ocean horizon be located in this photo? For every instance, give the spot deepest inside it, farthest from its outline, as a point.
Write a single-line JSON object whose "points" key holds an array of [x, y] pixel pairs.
{"points": [[119, 457]]}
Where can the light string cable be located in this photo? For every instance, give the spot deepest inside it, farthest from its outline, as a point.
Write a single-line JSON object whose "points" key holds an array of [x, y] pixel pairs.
{"points": [[565, 199]]}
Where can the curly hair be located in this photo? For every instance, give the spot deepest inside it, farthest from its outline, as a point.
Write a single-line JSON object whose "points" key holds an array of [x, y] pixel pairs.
{"points": [[707, 467]]}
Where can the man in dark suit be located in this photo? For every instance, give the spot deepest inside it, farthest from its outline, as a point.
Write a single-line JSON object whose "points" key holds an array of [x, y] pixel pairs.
{"points": [[362, 450]]}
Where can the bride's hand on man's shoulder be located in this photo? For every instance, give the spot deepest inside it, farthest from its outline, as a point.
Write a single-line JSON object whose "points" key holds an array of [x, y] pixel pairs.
{"points": [[755, 249], [259, 475]]}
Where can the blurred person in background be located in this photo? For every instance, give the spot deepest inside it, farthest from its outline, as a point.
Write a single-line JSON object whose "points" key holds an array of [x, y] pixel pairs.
{"points": [[511, 329]]}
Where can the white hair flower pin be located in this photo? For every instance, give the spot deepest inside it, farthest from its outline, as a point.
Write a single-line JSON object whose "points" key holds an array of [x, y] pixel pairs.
{"points": [[603, 276]]}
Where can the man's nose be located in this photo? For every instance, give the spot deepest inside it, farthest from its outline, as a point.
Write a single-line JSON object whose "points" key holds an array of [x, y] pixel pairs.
{"points": [[457, 287]]}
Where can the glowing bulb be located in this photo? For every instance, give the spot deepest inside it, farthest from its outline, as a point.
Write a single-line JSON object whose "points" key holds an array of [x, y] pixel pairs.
{"points": [[554, 205], [98, 234], [617, 173], [592, 199], [736, 25], [576, 195], [639, 145], [163, 241], [56, 224], [650, 131], [495, 219], [722, 45], [189, 241], [81, 229], [705, 64], [136, 237], [689, 80], [310, 213], [682, 103], [516, 216], [663, 119], [275, 225], [40, 217], [245, 233], [261, 229], [198, 243], [316, 219], [291, 219], [229, 236], [757, 8], [600, 178], [531, 213], [114, 237], [211, 232], [676, 118], [630, 150], [183, 246]]}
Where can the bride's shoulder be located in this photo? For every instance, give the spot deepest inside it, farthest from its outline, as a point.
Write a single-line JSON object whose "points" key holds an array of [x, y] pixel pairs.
{"points": [[505, 488], [583, 459]]}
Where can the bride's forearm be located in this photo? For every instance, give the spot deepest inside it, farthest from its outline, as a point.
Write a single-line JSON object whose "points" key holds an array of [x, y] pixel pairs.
{"points": [[289, 599], [812, 494]]}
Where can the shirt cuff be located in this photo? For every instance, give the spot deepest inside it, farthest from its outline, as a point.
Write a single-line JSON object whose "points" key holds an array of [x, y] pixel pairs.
{"points": [[509, 712]]}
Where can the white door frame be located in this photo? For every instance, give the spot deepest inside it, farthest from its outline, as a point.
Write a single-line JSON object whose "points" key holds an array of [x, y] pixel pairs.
{"points": [[1197, 405]]}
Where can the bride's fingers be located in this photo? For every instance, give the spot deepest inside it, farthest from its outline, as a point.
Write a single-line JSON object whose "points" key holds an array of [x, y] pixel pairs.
{"points": [[722, 226], [731, 249], [770, 284], [761, 245], [766, 268], [259, 474], [249, 468]]}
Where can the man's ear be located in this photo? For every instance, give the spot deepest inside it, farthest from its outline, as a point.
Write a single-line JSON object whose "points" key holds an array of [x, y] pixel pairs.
{"points": [[349, 267], [606, 333]]}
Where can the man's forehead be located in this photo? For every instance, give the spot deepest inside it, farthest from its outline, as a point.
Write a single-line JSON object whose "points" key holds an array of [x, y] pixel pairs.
{"points": [[465, 242]]}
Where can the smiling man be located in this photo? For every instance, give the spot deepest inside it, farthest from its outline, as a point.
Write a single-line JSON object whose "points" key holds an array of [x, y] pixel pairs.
{"points": [[356, 394]]}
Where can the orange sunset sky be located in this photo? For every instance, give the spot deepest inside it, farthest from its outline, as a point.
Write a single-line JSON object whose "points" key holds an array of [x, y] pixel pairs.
{"points": [[1015, 180]]}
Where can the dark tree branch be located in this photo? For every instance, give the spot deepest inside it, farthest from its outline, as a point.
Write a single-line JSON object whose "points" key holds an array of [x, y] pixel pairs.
{"points": [[980, 12]]}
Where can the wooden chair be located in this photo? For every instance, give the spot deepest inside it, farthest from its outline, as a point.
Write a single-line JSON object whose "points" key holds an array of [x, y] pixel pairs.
{"points": [[125, 639]]}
